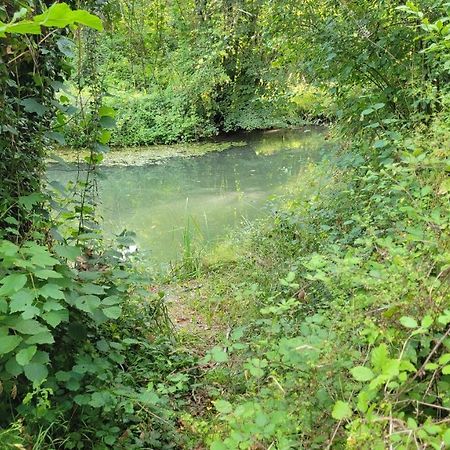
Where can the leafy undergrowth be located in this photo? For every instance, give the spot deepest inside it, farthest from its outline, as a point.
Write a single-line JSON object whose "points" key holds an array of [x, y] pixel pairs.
{"points": [[333, 314]]}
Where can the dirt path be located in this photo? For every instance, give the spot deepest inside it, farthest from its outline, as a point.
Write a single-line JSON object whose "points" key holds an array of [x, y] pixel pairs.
{"points": [[184, 303]]}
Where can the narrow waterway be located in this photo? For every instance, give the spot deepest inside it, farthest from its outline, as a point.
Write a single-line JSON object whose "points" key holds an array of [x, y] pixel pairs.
{"points": [[202, 197]]}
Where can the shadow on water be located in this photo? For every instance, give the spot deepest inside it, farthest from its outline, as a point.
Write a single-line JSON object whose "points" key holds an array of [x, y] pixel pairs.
{"points": [[218, 191]]}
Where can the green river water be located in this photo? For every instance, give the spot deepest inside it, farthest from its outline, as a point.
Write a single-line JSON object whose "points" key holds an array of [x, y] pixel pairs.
{"points": [[210, 195]]}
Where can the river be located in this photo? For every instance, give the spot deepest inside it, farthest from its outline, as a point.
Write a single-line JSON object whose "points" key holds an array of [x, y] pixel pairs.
{"points": [[205, 196]]}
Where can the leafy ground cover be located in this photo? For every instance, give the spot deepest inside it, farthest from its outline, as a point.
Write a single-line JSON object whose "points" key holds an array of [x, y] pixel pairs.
{"points": [[331, 316]]}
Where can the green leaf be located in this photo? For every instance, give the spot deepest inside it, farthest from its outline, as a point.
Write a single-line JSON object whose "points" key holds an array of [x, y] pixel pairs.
{"points": [[28, 201], [391, 368], [82, 399], [9, 343], [8, 248], [51, 290], [431, 366], [445, 358], [446, 437], [219, 355], [52, 305], [23, 27], [106, 111], [59, 15], [426, 322], [41, 357], [149, 397], [361, 373], [111, 300], [112, 312], [67, 251], [99, 399], [380, 143], [30, 312], [444, 188], [40, 256], [379, 357], [218, 445], [88, 19], [87, 303], [44, 337], [367, 111], [12, 284], [66, 47], [408, 322], [24, 356], [54, 318], [341, 410], [107, 122], [446, 370], [21, 300], [36, 372], [13, 368], [29, 326], [32, 106], [110, 439], [223, 406], [45, 274], [105, 136]]}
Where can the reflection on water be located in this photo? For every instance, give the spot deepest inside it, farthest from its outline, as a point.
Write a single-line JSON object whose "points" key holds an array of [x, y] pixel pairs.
{"points": [[216, 191]]}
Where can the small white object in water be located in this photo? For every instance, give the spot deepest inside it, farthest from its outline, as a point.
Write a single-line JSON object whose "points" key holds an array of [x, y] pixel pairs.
{"points": [[127, 251]]}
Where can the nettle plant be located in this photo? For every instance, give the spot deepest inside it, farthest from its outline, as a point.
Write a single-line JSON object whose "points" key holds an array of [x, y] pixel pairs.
{"points": [[60, 352], [29, 297]]}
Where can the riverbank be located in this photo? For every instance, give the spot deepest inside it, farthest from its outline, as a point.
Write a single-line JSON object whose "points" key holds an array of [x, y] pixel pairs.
{"points": [[292, 322], [156, 154]]}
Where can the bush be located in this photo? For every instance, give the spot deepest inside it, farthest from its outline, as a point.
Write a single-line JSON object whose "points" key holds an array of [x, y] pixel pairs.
{"points": [[158, 118]]}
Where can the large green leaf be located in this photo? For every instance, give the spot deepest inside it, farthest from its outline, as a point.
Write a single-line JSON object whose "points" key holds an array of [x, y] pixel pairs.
{"points": [[85, 18], [87, 303], [112, 312], [54, 318], [9, 343], [24, 356], [36, 372], [21, 300], [40, 256], [7, 248], [219, 355], [51, 290], [45, 274], [13, 368], [29, 326], [12, 284], [23, 27], [45, 337], [60, 15], [34, 107], [361, 373], [223, 406], [67, 251], [341, 410], [408, 322]]}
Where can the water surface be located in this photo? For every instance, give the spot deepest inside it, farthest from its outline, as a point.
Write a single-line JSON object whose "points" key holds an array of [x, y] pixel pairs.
{"points": [[210, 194]]}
